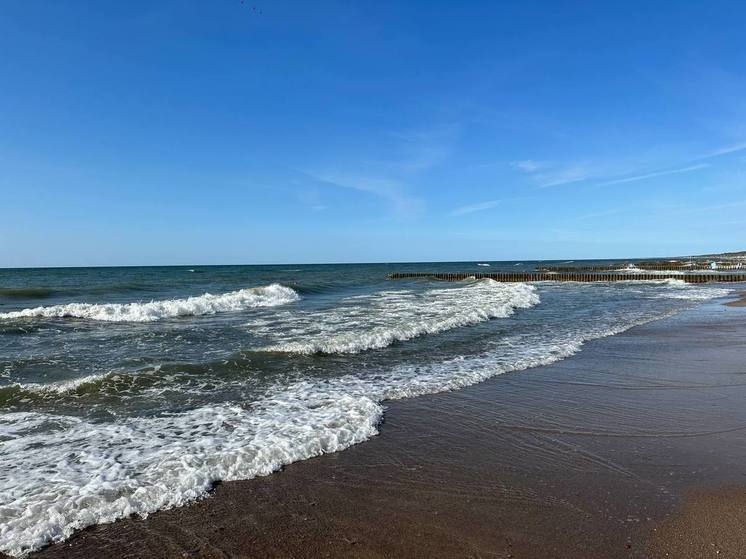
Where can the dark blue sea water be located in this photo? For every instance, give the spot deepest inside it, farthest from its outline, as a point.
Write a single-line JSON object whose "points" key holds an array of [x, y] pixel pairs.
{"points": [[128, 390]]}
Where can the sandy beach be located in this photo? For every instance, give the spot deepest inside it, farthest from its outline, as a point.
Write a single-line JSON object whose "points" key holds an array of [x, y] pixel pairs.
{"points": [[741, 302], [633, 448]]}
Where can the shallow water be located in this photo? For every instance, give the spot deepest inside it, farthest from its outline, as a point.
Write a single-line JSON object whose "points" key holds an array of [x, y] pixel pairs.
{"points": [[128, 390]]}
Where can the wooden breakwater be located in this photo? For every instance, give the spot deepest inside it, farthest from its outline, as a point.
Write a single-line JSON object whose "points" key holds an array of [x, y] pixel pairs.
{"points": [[576, 276]]}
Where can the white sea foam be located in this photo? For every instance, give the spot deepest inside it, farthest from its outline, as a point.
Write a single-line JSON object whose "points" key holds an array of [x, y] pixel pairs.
{"points": [[378, 320], [60, 387], [679, 289], [640, 271], [674, 288], [59, 474], [702, 294], [266, 296], [90, 473]]}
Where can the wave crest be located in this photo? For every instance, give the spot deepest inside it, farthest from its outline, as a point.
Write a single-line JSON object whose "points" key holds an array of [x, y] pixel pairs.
{"points": [[103, 472], [387, 317], [265, 296]]}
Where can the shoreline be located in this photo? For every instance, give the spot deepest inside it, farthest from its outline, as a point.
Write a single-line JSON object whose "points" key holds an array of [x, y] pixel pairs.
{"points": [[741, 302], [595, 455]]}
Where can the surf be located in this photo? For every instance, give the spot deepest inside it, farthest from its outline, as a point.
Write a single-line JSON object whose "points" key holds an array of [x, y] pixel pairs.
{"points": [[265, 296], [379, 320]]}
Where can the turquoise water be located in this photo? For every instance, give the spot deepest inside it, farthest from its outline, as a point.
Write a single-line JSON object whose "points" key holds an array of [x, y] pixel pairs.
{"points": [[127, 390]]}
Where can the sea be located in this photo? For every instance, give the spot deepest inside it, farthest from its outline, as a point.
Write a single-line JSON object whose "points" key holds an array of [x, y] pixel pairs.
{"points": [[128, 390]]}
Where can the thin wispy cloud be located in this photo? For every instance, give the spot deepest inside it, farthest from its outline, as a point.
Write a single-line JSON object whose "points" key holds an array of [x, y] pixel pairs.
{"points": [[529, 165], [471, 208], [654, 174], [605, 213], [735, 204], [311, 200], [546, 174], [391, 191], [549, 173], [725, 150], [564, 175], [420, 150], [391, 175]]}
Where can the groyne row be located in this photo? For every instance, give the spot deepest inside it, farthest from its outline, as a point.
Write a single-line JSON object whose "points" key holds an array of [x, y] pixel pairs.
{"points": [[581, 277]]}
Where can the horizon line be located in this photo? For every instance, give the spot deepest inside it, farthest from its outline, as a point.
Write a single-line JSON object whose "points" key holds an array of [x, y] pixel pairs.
{"points": [[72, 267]]}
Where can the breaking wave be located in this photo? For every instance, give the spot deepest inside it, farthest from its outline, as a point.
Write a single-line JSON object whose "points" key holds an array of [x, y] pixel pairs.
{"points": [[378, 320], [25, 389], [266, 296], [103, 472], [679, 289]]}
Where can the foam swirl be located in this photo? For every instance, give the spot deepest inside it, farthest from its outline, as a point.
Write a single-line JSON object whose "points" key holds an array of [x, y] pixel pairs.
{"points": [[103, 472]]}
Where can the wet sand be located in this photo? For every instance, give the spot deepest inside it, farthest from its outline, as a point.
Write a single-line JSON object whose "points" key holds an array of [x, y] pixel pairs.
{"points": [[709, 524], [738, 302], [636, 447]]}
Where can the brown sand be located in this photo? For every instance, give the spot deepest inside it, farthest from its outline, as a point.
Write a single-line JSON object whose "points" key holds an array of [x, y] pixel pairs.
{"points": [[587, 458], [740, 302], [710, 524]]}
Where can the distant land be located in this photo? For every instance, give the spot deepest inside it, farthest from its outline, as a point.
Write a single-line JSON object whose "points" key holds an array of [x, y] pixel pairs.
{"points": [[735, 255]]}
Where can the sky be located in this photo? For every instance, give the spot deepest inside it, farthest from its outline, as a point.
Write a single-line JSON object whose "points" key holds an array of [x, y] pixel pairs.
{"points": [[229, 132]]}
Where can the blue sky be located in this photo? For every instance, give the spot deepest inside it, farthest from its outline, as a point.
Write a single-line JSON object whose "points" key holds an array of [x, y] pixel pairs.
{"points": [[261, 132]]}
